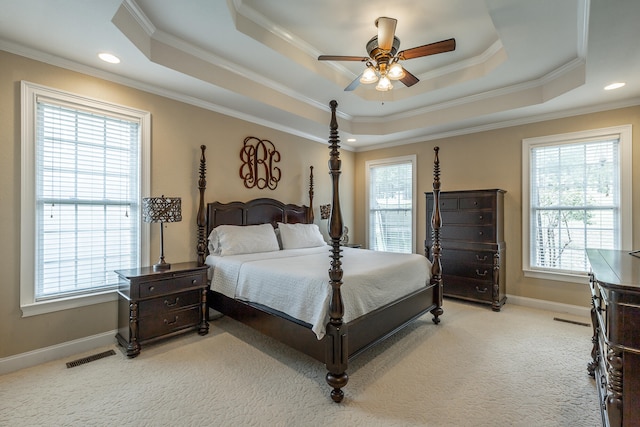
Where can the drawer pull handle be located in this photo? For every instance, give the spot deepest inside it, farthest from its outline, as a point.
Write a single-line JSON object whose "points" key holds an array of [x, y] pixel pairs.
{"points": [[481, 274], [194, 281], [175, 320], [480, 233], [484, 258], [173, 304], [481, 217], [482, 291], [152, 288]]}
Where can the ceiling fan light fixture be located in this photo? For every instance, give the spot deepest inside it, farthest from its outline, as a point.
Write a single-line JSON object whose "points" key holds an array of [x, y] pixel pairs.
{"points": [[395, 71], [384, 84], [369, 76]]}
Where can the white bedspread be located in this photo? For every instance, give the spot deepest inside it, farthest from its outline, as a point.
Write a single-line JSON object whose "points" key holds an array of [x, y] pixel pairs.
{"points": [[296, 281]]}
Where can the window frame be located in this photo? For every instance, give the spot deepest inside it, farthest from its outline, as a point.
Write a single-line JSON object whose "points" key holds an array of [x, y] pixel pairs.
{"points": [[624, 134], [412, 158], [30, 94]]}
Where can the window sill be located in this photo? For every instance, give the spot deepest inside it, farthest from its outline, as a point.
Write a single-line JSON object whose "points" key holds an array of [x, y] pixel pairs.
{"points": [[44, 307], [557, 276]]}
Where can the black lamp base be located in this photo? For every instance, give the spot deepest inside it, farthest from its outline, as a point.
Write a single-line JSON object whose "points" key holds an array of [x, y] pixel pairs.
{"points": [[161, 266]]}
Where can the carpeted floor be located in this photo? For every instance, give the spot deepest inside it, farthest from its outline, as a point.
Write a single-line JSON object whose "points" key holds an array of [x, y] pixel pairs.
{"points": [[518, 367]]}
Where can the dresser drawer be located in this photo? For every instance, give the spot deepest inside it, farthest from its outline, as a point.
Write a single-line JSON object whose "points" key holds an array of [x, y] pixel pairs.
{"points": [[167, 303], [477, 202], [446, 204], [171, 285], [470, 217], [472, 271], [469, 257], [470, 233], [463, 287], [171, 321]]}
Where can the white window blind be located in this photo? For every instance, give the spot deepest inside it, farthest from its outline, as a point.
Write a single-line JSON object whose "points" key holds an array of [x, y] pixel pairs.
{"points": [[391, 205], [87, 199], [574, 202]]}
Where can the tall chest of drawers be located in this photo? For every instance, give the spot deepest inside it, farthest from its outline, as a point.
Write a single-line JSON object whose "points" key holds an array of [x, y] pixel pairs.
{"points": [[473, 247]]}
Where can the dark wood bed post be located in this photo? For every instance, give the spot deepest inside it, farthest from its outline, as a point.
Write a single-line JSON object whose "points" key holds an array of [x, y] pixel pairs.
{"points": [[337, 352], [310, 211], [436, 223], [201, 218]]}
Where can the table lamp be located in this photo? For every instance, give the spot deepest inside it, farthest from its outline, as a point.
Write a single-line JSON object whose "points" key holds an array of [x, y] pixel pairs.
{"points": [[161, 209]]}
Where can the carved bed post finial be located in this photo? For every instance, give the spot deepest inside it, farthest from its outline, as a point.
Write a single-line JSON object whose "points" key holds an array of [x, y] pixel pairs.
{"points": [[201, 219], [337, 353], [436, 223]]}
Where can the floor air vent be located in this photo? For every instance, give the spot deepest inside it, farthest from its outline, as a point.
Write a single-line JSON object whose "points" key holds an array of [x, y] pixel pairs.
{"points": [[91, 358], [559, 319]]}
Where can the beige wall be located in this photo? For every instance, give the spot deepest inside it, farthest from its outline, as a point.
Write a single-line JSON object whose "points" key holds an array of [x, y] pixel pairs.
{"points": [[177, 132], [492, 159], [484, 160]]}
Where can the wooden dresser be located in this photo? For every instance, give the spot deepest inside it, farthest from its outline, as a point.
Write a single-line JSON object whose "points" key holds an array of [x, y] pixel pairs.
{"points": [[473, 247], [615, 314], [158, 304]]}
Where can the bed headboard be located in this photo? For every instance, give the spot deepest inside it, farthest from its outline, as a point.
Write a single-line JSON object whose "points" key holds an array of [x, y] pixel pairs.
{"points": [[257, 211]]}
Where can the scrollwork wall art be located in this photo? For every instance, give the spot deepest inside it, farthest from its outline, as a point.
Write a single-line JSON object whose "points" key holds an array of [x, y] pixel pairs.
{"points": [[258, 168]]}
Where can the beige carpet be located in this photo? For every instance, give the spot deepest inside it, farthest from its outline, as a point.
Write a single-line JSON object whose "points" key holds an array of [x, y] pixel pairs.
{"points": [[477, 368]]}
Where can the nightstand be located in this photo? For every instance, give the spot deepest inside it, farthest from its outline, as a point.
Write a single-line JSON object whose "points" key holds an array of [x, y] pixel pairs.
{"points": [[158, 304]]}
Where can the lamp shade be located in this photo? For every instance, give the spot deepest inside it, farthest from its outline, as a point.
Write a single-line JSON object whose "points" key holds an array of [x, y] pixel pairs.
{"points": [[369, 75], [384, 84], [161, 209], [396, 72]]}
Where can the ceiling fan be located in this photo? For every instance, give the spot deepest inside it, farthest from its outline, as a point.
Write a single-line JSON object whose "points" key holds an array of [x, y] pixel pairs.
{"points": [[382, 62]]}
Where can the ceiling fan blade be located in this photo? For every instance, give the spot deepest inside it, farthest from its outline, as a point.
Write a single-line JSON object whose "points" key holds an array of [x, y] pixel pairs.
{"points": [[428, 49], [386, 32], [408, 79], [354, 84], [343, 58]]}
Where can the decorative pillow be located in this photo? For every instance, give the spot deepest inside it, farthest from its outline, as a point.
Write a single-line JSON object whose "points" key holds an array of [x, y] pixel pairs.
{"points": [[296, 236], [243, 239]]}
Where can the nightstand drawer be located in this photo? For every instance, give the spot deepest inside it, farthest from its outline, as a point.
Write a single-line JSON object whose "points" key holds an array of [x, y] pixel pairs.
{"points": [[158, 306], [172, 321], [171, 285]]}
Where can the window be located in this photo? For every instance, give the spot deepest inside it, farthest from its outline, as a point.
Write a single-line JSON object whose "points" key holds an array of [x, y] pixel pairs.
{"points": [[576, 195], [390, 203], [84, 168]]}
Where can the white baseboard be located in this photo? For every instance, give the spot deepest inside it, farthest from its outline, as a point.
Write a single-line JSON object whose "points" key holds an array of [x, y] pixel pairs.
{"points": [[58, 351], [574, 310]]}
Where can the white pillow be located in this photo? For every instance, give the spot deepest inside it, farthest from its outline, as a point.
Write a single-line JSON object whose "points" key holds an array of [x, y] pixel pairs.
{"points": [[296, 236], [247, 239], [214, 242]]}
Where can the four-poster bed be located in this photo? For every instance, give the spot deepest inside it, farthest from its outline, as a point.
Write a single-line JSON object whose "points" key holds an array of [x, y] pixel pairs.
{"points": [[342, 335]]}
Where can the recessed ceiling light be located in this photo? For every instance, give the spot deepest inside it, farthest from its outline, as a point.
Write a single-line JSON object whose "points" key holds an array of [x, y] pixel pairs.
{"points": [[614, 86], [351, 140], [107, 57]]}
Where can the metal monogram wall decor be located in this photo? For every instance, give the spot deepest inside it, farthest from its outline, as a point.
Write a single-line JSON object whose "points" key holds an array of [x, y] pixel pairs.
{"points": [[258, 168]]}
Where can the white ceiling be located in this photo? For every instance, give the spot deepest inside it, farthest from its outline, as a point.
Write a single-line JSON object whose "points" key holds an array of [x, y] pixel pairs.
{"points": [[516, 61]]}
